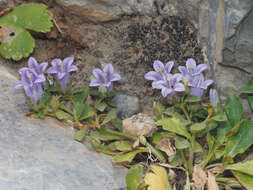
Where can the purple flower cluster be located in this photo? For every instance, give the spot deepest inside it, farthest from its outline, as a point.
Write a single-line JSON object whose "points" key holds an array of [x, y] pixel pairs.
{"points": [[170, 84], [33, 79], [104, 78]]}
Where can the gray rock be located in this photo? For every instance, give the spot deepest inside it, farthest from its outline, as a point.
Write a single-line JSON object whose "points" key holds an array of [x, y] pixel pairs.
{"points": [[42, 155], [127, 105], [107, 10]]}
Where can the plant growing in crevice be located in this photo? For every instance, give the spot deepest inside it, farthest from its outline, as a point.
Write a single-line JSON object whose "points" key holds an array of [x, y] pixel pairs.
{"points": [[15, 38]]}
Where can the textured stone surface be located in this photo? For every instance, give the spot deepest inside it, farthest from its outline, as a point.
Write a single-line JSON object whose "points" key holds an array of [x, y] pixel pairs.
{"points": [[42, 155], [126, 105], [107, 10]]}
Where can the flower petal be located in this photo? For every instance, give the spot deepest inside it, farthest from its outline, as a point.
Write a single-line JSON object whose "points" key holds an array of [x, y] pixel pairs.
{"points": [[206, 83], [190, 63], [183, 70], [108, 69], [197, 92], [115, 77], [18, 84], [158, 84], [95, 83], [179, 87], [72, 68], [60, 75], [166, 91], [67, 63], [158, 66], [43, 67], [97, 73], [52, 70], [33, 64], [169, 66], [64, 81], [177, 77], [22, 70], [40, 79], [55, 62], [201, 68], [152, 75]]}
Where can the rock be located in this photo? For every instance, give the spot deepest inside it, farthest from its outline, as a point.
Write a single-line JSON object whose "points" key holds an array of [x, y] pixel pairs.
{"points": [[140, 124], [126, 105], [107, 10], [41, 154]]}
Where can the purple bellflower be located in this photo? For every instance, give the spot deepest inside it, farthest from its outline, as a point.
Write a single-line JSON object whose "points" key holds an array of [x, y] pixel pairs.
{"points": [[38, 68], [160, 72], [213, 96], [171, 85], [31, 83], [191, 70], [62, 70], [105, 78], [198, 85]]}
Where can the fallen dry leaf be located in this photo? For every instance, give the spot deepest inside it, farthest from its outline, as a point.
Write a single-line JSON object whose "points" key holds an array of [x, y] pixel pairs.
{"points": [[157, 179], [211, 182], [165, 145], [217, 170], [199, 178]]}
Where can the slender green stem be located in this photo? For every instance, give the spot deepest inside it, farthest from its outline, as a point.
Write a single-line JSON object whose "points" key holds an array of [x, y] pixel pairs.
{"points": [[184, 159], [122, 135], [190, 161], [185, 113]]}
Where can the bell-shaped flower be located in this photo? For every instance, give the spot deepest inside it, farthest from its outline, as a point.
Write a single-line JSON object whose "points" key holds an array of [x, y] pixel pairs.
{"points": [[31, 83], [62, 70], [191, 69], [170, 86], [160, 72], [198, 84], [105, 78], [38, 68], [213, 96]]}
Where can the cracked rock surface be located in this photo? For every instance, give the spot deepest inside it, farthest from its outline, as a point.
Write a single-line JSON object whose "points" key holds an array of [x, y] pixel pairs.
{"points": [[42, 155]]}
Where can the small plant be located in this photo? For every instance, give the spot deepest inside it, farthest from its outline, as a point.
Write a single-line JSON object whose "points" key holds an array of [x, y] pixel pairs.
{"points": [[16, 41], [57, 98]]}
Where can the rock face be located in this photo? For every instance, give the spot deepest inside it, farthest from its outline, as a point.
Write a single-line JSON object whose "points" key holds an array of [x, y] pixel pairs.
{"points": [[231, 46], [41, 154]]}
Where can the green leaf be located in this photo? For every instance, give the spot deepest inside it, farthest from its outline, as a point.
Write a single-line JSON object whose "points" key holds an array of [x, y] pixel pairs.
{"points": [[80, 135], [62, 115], [245, 180], [83, 111], [16, 41], [174, 125], [247, 89], [100, 106], [80, 94], [234, 109], [118, 123], [134, 177], [245, 167], [158, 110], [197, 127], [156, 137], [123, 146], [192, 99], [30, 16], [241, 141], [110, 116], [222, 130], [107, 134], [221, 116], [181, 143], [127, 157], [250, 98]]}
